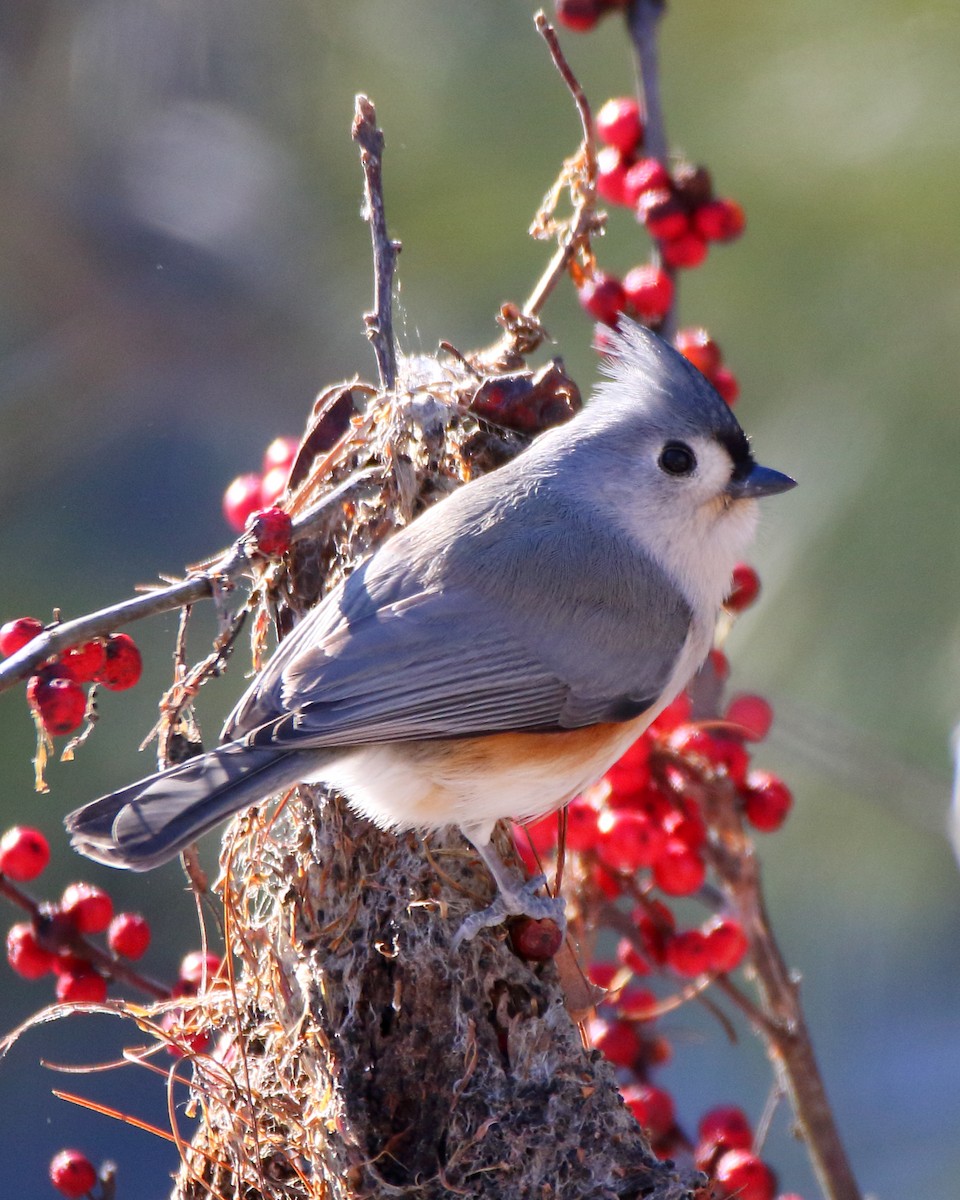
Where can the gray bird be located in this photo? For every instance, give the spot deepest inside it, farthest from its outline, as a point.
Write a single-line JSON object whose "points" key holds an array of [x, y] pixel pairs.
{"points": [[496, 656]]}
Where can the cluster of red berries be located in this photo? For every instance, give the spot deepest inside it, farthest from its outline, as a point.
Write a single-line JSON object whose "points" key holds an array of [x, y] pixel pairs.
{"points": [[678, 207], [72, 1174], [54, 941], [55, 693], [248, 494]]}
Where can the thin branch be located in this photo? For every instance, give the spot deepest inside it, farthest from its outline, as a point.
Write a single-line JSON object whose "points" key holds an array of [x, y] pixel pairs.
{"points": [[783, 1027], [200, 586], [379, 323]]}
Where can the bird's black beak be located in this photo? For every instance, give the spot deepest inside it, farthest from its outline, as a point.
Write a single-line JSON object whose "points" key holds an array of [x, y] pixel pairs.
{"points": [[759, 481]]}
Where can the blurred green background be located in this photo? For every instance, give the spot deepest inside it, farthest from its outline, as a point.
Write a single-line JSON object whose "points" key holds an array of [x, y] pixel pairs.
{"points": [[182, 267]]}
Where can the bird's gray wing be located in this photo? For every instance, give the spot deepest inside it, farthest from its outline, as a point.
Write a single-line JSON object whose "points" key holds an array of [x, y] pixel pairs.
{"points": [[542, 626]]}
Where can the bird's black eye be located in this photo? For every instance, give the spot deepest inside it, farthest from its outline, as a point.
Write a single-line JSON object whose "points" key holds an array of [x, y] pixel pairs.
{"points": [[676, 458]]}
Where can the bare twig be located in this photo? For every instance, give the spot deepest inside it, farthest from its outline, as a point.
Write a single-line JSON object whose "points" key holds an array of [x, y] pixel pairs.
{"points": [[379, 323]]}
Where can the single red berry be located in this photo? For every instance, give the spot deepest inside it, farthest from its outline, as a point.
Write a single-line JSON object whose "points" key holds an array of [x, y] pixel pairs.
{"points": [[82, 663], [14, 635], [745, 1176], [581, 824], [603, 297], [688, 953], [88, 907], [198, 968], [72, 1174], [649, 292], [86, 986], [631, 771], [612, 176], [728, 1125], [744, 588], [726, 384], [25, 954], [676, 713], [719, 664], [727, 944], [731, 757], [60, 703], [719, 220], [280, 453], [652, 1107], [129, 935], [684, 252], [637, 1004], [606, 882], [697, 346], [631, 958], [663, 214], [602, 974], [241, 499], [271, 529], [619, 123], [581, 15], [766, 800], [617, 1041], [272, 487], [535, 941], [752, 714], [678, 870], [628, 840], [646, 175], [24, 853], [124, 664], [694, 183], [692, 740], [185, 1039], [685, 824]]}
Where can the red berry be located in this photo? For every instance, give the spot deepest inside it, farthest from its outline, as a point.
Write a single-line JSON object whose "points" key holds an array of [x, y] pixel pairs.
{"points": [[744, 588], [581, 824], [24, 853], [602, 974], [676, 713], [638, 1004], [271, 529], [185, 1039], [688, 953], [603, 297], [129, 935], [766, 801], [700, 348], [678, 870], [612, 176], [198, 968], [727, 944], [631, 958], [272, 487], [687, 825], [241, 499], [631, 772], [719, 220], [752, 714], [741, 1174], [620, 124], [606, 883], [663, 214], [89, 908], [628, 840], [684, 252], [14, 635], [85, 986], [535, 941], [72, 1174], [649, 292], [652, 1107], [280, 453], [581, 15], [728, 1125], [726, 384], [719, 664], [60, 703], [25, 954], [645, 175], [617, 1041], [82, 663], [124, 665]]}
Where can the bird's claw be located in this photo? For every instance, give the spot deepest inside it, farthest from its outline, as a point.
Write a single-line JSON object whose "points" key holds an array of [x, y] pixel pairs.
{"points": [[520, 903]]}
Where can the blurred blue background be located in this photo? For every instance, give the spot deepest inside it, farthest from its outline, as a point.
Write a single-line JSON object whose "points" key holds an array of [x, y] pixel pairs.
{"points": [[182, 268]]}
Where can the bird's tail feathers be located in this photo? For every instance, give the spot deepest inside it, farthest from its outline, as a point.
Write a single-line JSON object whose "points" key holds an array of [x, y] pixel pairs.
{"points": [[149, 822]]}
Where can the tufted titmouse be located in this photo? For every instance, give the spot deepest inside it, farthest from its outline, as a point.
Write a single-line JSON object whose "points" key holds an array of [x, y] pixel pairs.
{"points": [[501, 652]]}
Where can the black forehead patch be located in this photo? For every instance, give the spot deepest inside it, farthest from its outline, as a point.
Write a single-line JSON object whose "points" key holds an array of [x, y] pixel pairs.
{"points": [[734, 441]]}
